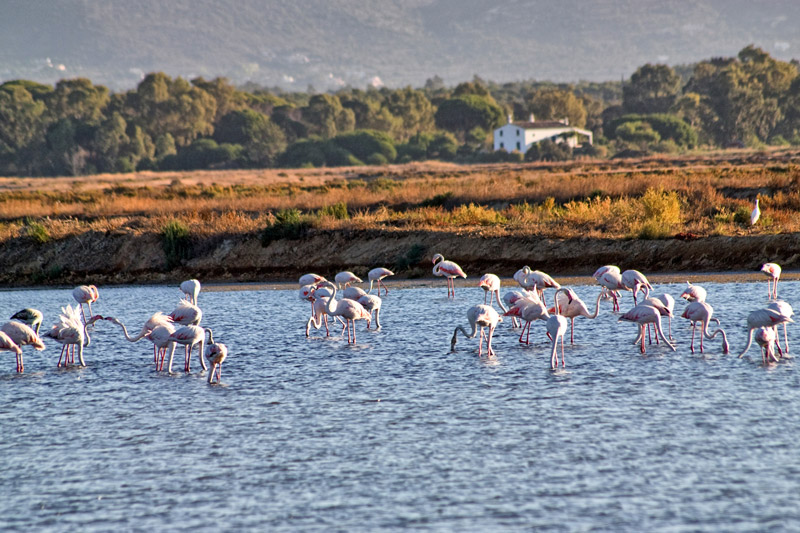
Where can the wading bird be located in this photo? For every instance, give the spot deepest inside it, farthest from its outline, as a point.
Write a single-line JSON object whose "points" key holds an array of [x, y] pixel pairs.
{"points": [[377, 275], [482, 316], [216, 353], [69, 331], [643, 315], [449, 270], [85, 294], [773, 273], [32, 317], [191, 288], [702, 312]]}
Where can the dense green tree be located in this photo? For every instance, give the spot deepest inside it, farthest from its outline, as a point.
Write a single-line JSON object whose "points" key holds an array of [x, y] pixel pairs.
{"points": [[462, 113], [162, 105], [667, 127], [326, 116], [363, 143], [260, 139], [78, 99], [22, 123], [226, 96], [413, 109], [557, 104], [651, 89]]}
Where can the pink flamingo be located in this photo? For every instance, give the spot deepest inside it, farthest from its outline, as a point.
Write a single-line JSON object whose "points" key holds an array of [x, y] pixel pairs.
{"points": [[216, 353], [702, 312], [160, 337], [307, 294], [377, 274], [490, 283], [785, 311], [186, 314], [612, 282], [85, 294], [694, 293], [482, 316], [510, 298], [773, 273], [528, 310], [449, 270], [353, 293], [765, 318], [346, 278], [7, 344], [157, 319], [372, 304], [519, 275], [71, 332], [541, 281], [635, 281], [643, 315], [191, 288], [350, 310], [556, 327], [190, 336], [21, 335], [571, 306], [766, 339], [311, 279], [603, 269]]}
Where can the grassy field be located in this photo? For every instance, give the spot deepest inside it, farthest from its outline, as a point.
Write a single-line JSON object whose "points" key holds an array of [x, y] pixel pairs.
{"points": [[689, 197]]}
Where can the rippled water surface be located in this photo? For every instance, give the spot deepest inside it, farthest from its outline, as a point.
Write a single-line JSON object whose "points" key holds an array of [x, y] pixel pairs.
{"points": [[396, 432]]}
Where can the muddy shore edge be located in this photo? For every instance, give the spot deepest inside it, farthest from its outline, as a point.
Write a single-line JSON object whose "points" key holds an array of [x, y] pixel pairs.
{"points": [[125, 258]]}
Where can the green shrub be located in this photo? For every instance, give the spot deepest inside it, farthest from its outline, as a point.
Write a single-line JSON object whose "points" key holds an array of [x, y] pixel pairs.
{"points": [[176, 243], [337, 211], [289, 224], [36, 231], [437, 201]]}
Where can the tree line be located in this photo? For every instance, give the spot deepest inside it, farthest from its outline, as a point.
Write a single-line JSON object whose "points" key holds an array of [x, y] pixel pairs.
{"points": [[76, 127]]}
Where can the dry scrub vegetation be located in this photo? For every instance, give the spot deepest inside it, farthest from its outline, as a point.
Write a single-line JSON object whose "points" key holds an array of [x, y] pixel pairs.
{"points": [[651, 199]]}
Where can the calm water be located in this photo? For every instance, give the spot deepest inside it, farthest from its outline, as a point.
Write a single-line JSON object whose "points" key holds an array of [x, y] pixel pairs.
{"points": [[397, 433]]}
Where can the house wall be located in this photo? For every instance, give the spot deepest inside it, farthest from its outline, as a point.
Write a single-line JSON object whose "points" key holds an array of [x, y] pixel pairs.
{"points": [[510, 137]]}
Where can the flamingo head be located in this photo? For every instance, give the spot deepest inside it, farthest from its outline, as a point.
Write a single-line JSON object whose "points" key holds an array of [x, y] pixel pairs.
{"points": [[437, 257]]}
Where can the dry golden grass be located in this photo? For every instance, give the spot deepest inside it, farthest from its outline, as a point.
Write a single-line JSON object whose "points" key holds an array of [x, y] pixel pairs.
{"points": [[650, 198]]}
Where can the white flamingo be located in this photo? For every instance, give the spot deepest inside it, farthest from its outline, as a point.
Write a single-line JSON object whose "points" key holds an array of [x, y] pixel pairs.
{"points": [[191, 288], [377, 275], [482, 316]]}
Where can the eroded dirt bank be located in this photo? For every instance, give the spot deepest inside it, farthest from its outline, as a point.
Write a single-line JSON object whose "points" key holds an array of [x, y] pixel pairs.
{"points": [[106, 258]]}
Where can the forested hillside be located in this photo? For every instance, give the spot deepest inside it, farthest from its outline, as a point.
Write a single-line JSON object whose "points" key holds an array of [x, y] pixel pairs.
{"points": [[331, 43], [165, 123]]}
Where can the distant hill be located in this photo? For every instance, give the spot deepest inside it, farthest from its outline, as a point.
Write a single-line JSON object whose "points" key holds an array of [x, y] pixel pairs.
{"points": [[329, 43]]}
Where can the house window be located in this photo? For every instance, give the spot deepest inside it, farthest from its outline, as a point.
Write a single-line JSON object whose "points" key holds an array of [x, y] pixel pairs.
{"points": [[517, 133], [518, 146], [501, 133], [501, 145]]}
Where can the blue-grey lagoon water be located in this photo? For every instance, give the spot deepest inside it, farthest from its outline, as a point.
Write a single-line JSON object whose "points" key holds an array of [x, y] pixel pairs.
{"points": [[396, 433]]}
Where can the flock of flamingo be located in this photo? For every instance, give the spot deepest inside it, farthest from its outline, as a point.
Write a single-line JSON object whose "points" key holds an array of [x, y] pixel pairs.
{"points": [[524, 305], [528, 304], [165, 331]]}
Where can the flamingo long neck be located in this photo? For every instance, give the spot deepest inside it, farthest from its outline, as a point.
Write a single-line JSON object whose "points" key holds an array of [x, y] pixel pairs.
{"points": [[596, 307], [661, 332], [331, 305], [500, 303], [128, 337], [749, 342], [370, 286], [470, 335]]}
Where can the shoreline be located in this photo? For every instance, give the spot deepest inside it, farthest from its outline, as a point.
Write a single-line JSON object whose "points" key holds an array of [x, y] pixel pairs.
{"points": [[507, 283]]}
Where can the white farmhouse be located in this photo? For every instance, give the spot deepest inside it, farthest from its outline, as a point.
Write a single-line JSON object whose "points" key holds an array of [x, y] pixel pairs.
{"points": [[521, 136]]}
